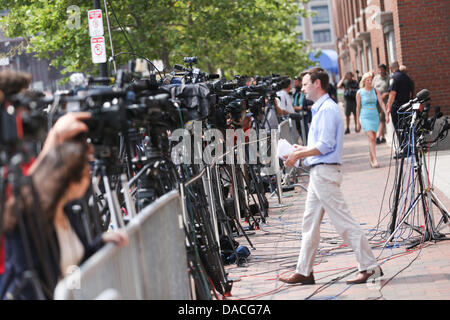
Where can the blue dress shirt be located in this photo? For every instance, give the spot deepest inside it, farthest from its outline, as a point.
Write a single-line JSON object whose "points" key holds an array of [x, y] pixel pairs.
{"points": [[326, 132]]}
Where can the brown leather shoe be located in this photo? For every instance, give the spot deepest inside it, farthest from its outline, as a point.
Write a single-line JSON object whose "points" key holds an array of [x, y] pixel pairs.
{"points": [[363, 276], [298, 278]]}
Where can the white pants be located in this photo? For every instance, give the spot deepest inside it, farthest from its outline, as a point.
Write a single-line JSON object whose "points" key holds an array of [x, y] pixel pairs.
{"points": [[324, 195]]}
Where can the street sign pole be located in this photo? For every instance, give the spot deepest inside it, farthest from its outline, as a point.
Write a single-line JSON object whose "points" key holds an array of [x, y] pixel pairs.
{"points": [[110, 37], [102, 66]]}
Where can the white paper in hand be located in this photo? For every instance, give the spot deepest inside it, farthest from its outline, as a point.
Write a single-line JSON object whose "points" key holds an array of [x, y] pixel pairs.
{"points": [[285, 149]]}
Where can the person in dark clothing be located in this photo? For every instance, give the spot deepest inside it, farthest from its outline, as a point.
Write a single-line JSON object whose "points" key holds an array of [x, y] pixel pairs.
{"points": [[11, 83], [297, 96], [299, 99], [358, 77], [43, 241], [351, 87], [332, 92], [401, 90]]}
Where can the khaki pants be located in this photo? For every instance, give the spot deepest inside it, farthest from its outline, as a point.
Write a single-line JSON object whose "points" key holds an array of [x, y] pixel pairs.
{"points": [[324, 195]]}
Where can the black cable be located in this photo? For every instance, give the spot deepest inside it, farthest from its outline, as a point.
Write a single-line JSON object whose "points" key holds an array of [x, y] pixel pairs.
{"points": [[120, 26], [384, 192], [139, 56], [133, 52], [329, 283], [407, 266]]}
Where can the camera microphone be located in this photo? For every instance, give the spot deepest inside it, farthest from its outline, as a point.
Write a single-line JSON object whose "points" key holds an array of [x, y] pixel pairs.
{"points": [[422, 96]]}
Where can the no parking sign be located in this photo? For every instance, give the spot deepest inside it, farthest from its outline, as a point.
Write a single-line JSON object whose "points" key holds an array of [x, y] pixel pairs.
{"points": [[95, 23], [98, 49]]}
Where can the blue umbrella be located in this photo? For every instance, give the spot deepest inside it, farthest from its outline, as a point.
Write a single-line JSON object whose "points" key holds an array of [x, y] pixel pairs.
{"points": [[328, 60]]}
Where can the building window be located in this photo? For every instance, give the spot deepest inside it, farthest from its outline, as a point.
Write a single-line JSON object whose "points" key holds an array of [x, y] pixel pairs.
{"points": [[357, 61], [369, 57], [363, 61], [322, 36], [299, 21], [392, 50], [300, 37], [321, 16]]}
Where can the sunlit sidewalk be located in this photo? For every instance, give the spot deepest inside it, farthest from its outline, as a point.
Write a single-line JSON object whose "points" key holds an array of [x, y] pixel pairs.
{"points": [[422, 272]]}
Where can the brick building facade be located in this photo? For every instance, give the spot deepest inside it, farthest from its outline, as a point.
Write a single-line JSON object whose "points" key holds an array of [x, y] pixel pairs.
{"points": [[414, 32]]}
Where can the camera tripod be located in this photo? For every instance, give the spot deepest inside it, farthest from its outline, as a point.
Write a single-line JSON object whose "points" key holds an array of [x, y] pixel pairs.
{"points": [[38, 252], [201, 231], [426, 197]]}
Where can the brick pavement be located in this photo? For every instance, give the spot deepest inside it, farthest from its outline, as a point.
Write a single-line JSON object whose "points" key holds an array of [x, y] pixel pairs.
{"points": [[367, 194]]}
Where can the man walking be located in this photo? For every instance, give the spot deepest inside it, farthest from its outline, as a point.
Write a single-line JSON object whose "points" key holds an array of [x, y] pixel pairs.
{"points": [[381, 84], [323, 155]]}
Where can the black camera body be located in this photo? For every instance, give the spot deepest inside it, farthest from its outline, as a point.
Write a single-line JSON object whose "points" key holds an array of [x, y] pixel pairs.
{"points": [[234, 99], [190, 60], [22, 121]]}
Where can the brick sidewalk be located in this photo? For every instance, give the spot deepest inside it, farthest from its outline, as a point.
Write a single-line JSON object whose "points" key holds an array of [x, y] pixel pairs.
{"points": [[278, 242]]}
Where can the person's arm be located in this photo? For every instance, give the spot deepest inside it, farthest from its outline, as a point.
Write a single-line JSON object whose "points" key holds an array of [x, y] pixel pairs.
{"points": [[383, 106], [358, 111], [66, 128], [340, 83], [391, 100], [300, 154], [118, 237], [277, 107], [326, 138]]}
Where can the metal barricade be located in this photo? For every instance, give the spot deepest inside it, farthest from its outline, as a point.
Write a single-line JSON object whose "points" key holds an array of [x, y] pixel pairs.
{"points": [[288, 130], [153, 265]]}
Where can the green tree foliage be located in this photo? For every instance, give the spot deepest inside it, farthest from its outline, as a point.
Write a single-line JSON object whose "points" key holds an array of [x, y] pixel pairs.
{"points": [[237, 36]]}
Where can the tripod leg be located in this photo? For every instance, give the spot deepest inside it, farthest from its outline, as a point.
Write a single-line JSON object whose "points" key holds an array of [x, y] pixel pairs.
{"points": [[223, 219], [240, 175], [410, 210], [112, 204], [256, 186], [131, 209], [237, 222], [236, 192], [397, 197], [445, 215], [212, 207]]}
